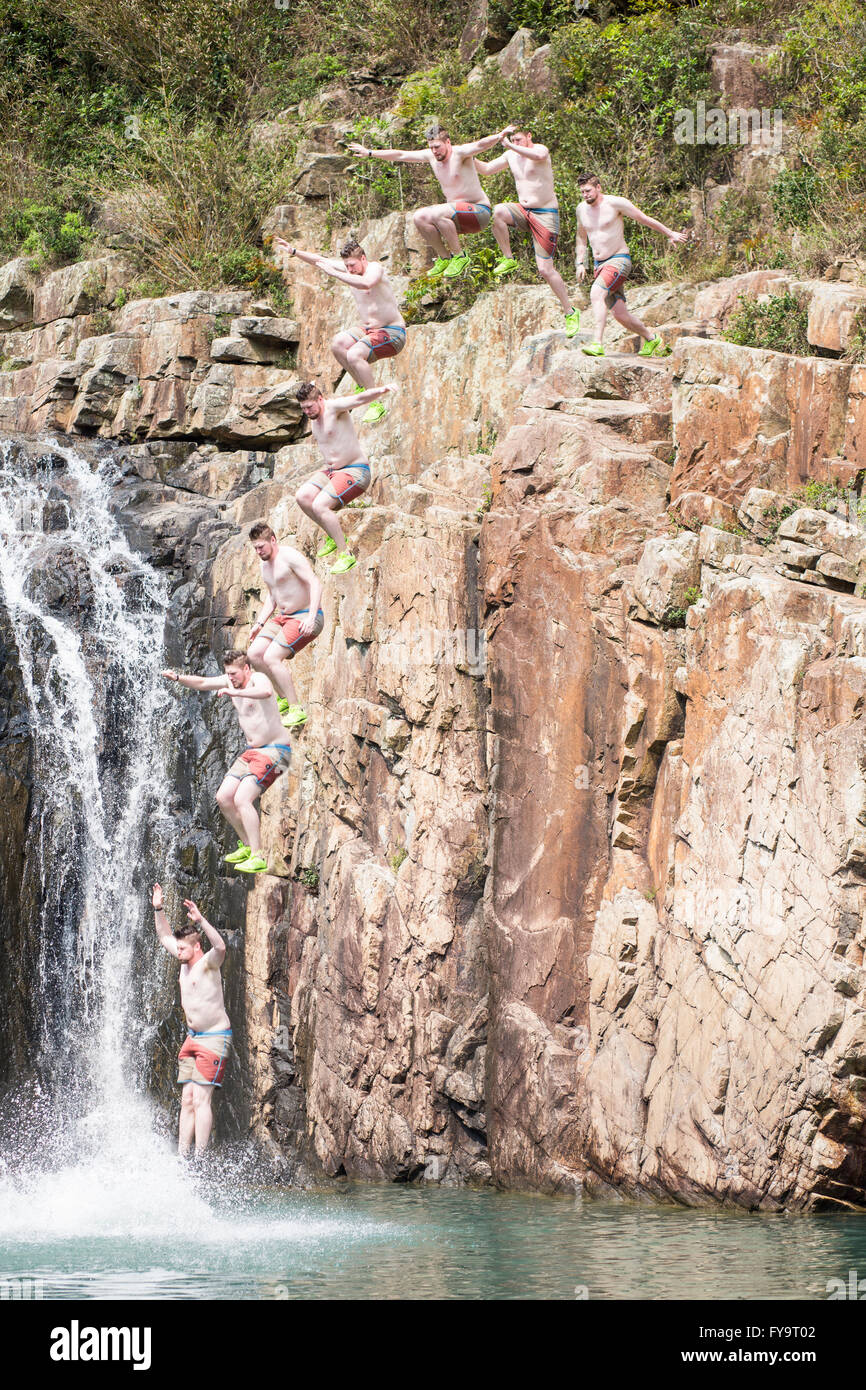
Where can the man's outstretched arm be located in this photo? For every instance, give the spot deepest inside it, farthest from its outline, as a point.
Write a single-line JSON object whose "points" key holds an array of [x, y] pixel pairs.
{"points": [[537, 153], [492, 166], [213, 959], [195, 682], [485, 143], [163, 930], [372, 393], [372, 275], [628, 209], [390, 156]]}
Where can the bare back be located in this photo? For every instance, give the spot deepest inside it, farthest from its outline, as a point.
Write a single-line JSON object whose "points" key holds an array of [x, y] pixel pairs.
{"points": [[201, 994], [458, 177], [604, 226], [287, 586], [335, 435], [377, 306], [533, 179]]}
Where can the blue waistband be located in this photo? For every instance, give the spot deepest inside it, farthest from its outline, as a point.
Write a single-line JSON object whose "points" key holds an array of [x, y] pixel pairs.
{"points": [[211, 1033], [617, 256], [531, 209], [284, 747], [298, 611]]}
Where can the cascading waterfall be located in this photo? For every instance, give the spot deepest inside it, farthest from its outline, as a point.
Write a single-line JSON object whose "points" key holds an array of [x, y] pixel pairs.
{"points": [[87, 616]]}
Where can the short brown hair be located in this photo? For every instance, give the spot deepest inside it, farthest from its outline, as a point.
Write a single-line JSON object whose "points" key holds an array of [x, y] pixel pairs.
{"points": [[235, 657], [437, 132], [261, 532], [352, 248], [187, 929], [307, 390], [588, 178]]}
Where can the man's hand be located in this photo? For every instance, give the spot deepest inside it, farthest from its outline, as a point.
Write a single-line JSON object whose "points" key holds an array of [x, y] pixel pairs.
{"points": [[170, 675], [308, 624], [675, 237], [229, 690], [358, 149], [156, 898], [581, 273], [192, 911], [392, 387]]}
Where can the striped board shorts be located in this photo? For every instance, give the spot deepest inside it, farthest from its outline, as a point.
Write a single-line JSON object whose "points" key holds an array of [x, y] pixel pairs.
{"points": [[541, 223], [381, 342], [470, 217], [613, 272]]}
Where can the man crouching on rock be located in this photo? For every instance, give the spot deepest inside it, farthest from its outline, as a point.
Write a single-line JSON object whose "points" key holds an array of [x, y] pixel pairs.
{"points": [[203, 1058]]}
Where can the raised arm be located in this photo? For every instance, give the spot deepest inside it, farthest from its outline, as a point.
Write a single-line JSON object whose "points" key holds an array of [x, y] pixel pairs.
{"points": [[212, 959], [537, 153], [196, 682], [163, 930], [473, 147], [372, 275], [257, 688], [363, 397], [628, 209], [390, 156], [493, 166]]}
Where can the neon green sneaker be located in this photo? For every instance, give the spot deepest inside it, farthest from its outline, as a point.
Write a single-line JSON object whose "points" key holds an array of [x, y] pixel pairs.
{"points": [[439, 266], [592, 349], [373, 413], [293, 716], [345, 561], [504, 266], [254, 865], [572, 323], [328, 548], [239, 855], [358, 389], [456, 266], [649, 347]]}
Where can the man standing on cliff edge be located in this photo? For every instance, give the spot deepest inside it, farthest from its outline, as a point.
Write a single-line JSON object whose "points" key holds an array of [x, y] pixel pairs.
{"points": [[203, 1058]]}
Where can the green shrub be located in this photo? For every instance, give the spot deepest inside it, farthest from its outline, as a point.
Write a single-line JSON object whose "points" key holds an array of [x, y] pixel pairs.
{"points": [[778, 324], [795, 196]]}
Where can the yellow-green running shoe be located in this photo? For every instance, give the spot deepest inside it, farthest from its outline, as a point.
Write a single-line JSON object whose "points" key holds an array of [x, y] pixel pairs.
{"points": [[373, 413], [328, 548], [592, 349], [572, 323], [239, 855], [456, 266], [649, 347], [254, 865], [439, 266], [293, 716], [345, 561], [504, 266]]}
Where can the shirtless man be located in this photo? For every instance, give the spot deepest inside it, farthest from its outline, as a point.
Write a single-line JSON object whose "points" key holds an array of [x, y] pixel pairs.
{"points": [[537, 212], [600, 219], [467, 208], [264, 759], [346, 473], [203, 1058], [382, 332], [290, 619]]}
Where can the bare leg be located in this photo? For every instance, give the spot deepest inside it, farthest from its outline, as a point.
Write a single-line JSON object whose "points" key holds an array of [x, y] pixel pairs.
{"points": [[277, 670], [501, 222], [340, 348], [203, 1115], [325, 510], [436, 226], [628, 320], [308, 499], [597, 297], [226, 802], [247, 794], [266, 655], [186, 1131], [547, 270], [358, 366]]}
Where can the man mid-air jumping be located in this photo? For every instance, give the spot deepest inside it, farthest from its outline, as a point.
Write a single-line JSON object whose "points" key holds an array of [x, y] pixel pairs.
{"points": [[290, 619], [537, 212], [466, 208], [382, 332], [203, 1058], [600, 220]]}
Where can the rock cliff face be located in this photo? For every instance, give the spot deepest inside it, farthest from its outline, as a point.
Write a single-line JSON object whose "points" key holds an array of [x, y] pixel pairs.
{"points": [[569, 876]]}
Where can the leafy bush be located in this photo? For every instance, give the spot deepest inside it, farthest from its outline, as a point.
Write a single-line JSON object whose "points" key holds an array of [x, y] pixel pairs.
{"points": [[795, 195], [779, 324]]}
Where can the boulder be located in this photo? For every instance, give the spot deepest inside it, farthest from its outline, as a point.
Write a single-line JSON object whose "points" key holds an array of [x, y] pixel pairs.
{"points": [[667, 567], [739, 71], [320, 172], [16, 294]]}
